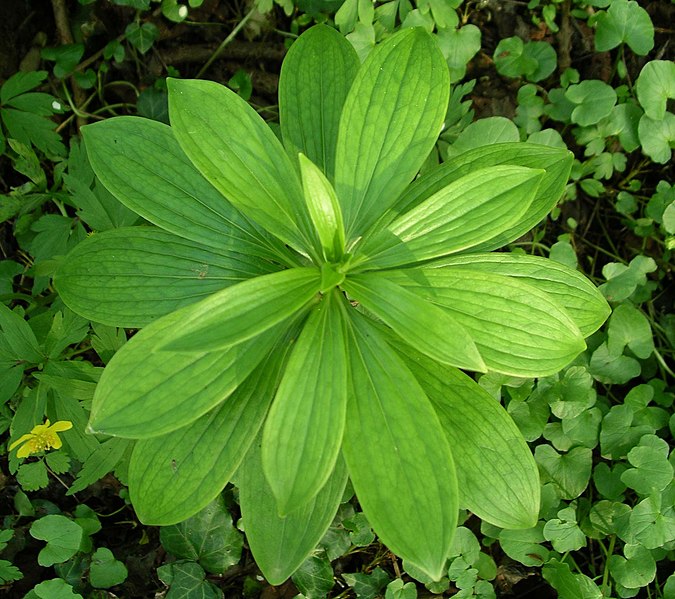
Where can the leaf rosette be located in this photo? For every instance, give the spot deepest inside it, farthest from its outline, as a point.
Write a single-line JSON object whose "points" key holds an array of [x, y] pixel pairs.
{"points": [[305, 305]]}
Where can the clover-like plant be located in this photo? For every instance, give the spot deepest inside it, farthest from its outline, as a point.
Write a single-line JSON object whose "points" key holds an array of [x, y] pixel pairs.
{"points": [[305, 309]]}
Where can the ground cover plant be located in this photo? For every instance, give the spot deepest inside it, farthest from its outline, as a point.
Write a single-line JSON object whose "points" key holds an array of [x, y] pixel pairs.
{"points": [[205, 295]]}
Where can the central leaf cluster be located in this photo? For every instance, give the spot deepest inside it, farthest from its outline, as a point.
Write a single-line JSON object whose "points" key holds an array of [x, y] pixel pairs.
{"points": [[305, 305]]}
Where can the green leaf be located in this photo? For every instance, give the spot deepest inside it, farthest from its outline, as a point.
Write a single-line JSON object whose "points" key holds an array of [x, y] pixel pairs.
{"points": [[637, 570], [56, 588], [173, 476], [518, 329], [563, 532], [9, 572], [569, 472], [367, 586], [510, 58], [187, 580], [651, 469], [594, 101], [281, 545], [142, 165], [237, 152], [390, 121], [485, 132], [18, 337], [622, 280], [396, 589], [63, 538], [618, 434], [145, 392], [141, 37], [406, 483], [628, 327], [567, 287], [556, 162], [239, 313], [324, 209], [315, 77], [624, 22], [657, 137], [314, 578], [654, 86], [570, 585], [208, 537], [422, 324], [459, 46], [607, 367], [303, 431], [496, 474], [19, 83], [652, 521], [132, 276], [524, 545], [468, 212], [32, 476], [106, 571]]}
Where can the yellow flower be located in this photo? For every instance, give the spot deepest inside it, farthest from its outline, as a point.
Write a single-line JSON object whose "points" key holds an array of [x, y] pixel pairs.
{"points": [[41, 438]]}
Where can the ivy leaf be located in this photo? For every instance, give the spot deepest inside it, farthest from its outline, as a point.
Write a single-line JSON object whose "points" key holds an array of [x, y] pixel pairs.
{"points": [[208, 537], [314, 578], [367, 586], [187, 580], [142, 37], [63, 538], [624, 21]]}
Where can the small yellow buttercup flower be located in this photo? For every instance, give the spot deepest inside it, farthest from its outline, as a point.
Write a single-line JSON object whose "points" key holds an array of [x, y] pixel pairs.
{"points": [[41, 438]]}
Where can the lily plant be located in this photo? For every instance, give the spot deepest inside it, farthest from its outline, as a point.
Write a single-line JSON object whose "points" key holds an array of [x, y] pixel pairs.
{"points": [[307, 305]]}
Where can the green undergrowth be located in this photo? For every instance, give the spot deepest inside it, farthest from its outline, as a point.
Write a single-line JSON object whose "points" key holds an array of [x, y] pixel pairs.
{"points": [[600, 430]]}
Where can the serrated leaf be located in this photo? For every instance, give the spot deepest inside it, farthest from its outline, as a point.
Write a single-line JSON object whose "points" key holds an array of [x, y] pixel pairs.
{"points": [[303, 430], [129, 277], [19, 83], [517, 329], [9, 572], [63, 538], [32, 476], [422, 324], [173, 476], [101, 461], [390, 465], [145, 392], [239, 313], [281, 545], [390, 121], [58, 462], [464, 214], [484, 440], [315, 77], [239, 155], [208, 537], [164, 187]]}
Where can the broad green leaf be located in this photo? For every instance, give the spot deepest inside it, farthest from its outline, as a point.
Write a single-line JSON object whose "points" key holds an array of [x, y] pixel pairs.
{"points": [[567, 287], [652, 521], [524, 545], [281, 545], [63, 538], [422, 324], [496, 473], [315, 77], [18, 337], [563, 532], [651, 469], [518, 329], [173, 476], [405, 482], [485, 132], [466, 213], [106, 571], [569, 472], [654, 86], [129, 277], [303, 431], [237, 152], [657, 137], [145, 392], [390, 121], [324, 209], [570, 585], [625, 21], [241, 312], [628, 327], [594, 100], [459, 46], [556, 162], [209, 537], [56, 588], [636, 570], [141, 164]]}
